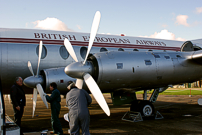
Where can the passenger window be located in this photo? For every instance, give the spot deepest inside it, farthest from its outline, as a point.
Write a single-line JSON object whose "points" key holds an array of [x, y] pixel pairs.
{"points": [[44, 51], [103, 49], [135, 50], [148, 62], [83, 52], [178, 56], [120, 49], [63, 52]]}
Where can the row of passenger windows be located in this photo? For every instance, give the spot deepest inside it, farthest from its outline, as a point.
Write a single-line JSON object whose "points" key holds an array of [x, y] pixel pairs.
{"points": [[64, 53], [83, 50]]}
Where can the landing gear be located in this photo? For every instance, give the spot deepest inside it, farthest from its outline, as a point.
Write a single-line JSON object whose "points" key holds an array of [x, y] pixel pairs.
{"points": [[145, 107], [147, 110]]}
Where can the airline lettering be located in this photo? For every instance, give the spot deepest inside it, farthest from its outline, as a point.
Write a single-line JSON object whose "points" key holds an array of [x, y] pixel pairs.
{"points": [[97, 39], [54, 36], [85, 38], [146, 42], [109, 40]]}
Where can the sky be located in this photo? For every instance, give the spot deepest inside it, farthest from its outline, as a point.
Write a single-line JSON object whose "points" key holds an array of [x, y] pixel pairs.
{"points": [[165, 19]]}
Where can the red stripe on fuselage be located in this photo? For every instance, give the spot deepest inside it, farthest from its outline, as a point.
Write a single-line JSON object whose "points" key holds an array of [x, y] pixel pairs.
{"points": [[80, 43]]}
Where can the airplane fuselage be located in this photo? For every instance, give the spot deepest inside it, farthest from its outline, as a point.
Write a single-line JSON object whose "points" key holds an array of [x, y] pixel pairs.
{"points": [[18, 46]]}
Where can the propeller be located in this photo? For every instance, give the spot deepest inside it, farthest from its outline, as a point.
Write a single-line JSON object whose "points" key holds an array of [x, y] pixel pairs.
{"points": [[81, 70], [93, 33], [70, 49], [35, 82], [95, 90]]}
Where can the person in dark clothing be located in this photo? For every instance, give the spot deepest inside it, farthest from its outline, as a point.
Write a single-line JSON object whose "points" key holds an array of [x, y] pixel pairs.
{"points": [[55, 100], [18, 100], [78, 101]]}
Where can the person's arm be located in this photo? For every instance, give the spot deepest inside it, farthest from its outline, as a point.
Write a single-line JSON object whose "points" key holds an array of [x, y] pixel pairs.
{"points": [[52, 97], [18, 108], [88, 97], [14, 96], [67, 98]]}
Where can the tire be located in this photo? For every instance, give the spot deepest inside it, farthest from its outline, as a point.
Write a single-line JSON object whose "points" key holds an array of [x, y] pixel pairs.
{"points": [[146, 108]]}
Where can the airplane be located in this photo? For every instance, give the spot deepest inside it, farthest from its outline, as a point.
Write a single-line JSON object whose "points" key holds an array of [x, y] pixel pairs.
{"points": [[120, 65]]}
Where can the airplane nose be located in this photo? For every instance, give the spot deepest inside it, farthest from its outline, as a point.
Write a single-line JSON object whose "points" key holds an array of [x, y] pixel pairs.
{"points": [[77, 69], [32, 81]]}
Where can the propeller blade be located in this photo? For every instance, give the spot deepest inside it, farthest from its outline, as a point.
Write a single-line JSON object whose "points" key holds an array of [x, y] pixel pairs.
{"points": [[95, 90], [34, 100], [70, 49], [41, 92], [93, 33], [39, 59], [30, 67], [79, 83]]}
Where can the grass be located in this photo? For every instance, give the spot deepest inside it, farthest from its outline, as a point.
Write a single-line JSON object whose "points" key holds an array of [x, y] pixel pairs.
{"points": [[175, 92]]}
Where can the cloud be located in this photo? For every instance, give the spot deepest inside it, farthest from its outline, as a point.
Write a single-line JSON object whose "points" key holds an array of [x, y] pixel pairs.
{"points": [[180, 39], [199, 10], [78, 26], [165, 34], [51, 24], [182, 20]]}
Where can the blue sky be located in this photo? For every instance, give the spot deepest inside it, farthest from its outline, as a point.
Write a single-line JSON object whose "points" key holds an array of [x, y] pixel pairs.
{"points": [[173, 19]]}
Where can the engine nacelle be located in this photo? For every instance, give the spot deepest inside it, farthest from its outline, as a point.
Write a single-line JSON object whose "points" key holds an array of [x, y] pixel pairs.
{"points": [[142, 70], [58, 76]]}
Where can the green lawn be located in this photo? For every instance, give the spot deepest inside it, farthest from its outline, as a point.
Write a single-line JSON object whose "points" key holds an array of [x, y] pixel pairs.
{"points": [[176, 92]]}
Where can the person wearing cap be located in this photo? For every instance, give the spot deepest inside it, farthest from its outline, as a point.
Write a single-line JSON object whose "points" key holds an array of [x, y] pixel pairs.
{"points": [[18, 100], [54, 101], [78, 101]]}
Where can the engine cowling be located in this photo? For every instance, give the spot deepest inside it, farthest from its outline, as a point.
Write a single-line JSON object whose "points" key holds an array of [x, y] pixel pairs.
{"points": [[142, 70], [58, 76]]}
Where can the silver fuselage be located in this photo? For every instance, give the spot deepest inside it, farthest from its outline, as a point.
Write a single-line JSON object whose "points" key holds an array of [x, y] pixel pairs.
{"points": [[18, 46]]}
